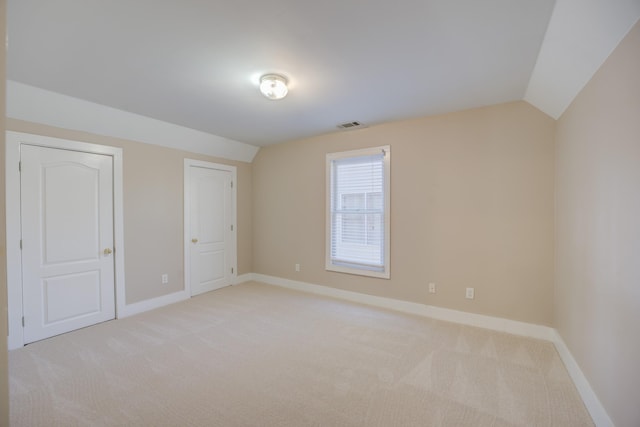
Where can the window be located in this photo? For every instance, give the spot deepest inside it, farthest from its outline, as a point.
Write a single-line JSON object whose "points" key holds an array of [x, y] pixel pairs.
{"points": [[358, 212]]}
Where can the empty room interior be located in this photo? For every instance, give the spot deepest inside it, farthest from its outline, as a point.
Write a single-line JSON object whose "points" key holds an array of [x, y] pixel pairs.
{"points": [[296, 213]]}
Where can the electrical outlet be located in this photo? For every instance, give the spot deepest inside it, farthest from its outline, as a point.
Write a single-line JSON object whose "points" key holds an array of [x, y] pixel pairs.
{"points": [[165, 279], [470, 293], [432, 288], [297, 267]]}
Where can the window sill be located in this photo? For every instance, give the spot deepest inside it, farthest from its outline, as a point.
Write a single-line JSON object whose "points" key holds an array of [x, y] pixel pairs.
{"points": [[358, 271]]}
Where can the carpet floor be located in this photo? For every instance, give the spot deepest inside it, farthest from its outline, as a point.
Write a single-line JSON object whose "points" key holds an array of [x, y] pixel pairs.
{"points": [[258, 355]]}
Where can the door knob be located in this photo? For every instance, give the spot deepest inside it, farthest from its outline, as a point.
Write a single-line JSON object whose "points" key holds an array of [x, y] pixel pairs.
{"points": [[108, 251], [194, 240]]}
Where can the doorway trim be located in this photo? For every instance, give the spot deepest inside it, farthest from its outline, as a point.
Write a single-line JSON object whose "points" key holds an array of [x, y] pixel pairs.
{"points": [[14, 140], [188, 163]]}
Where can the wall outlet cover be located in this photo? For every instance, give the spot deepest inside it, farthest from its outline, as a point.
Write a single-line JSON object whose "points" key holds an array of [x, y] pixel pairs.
{"points": [[470, 294]]}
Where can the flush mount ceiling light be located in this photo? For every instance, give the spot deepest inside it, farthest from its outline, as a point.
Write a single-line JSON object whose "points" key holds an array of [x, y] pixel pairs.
{"points": [[273, 86]]}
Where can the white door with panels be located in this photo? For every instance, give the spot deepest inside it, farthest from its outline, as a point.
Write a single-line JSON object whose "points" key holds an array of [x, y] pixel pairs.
{"points": [[210, 229], [67, 240]]}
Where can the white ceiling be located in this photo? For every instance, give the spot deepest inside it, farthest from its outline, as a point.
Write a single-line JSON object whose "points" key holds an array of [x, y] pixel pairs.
{"points": [[196, 63]]}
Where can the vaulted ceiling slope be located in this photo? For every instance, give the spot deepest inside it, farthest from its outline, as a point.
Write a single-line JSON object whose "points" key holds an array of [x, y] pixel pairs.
{"points": [[196, 64]]}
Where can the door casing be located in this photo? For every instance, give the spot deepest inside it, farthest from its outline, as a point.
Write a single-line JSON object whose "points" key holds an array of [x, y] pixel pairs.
{"points": [[14, 140]]}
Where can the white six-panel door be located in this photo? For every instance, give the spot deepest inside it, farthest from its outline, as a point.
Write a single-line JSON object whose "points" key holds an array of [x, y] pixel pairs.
{"points": [[210, 229], [67, 238]]}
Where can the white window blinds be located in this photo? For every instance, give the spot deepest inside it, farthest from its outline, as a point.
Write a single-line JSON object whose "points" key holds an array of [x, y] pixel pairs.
{"points": [[358, 211]]}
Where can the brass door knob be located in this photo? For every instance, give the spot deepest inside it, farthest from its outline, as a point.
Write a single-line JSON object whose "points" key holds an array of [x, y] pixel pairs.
{"points": [[108, 251], [194, 240]]}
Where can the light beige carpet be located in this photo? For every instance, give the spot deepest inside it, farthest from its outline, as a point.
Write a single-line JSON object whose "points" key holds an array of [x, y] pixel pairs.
{"points": [[256, 355]]}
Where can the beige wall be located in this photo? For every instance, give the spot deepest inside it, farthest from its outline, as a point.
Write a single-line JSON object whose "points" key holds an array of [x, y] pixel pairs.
{"points": [[471, 206], [153, 210], [4, 374], [597, 306]]}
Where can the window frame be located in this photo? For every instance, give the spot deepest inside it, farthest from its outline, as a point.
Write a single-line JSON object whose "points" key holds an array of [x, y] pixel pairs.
{"points": [[330, 265]]}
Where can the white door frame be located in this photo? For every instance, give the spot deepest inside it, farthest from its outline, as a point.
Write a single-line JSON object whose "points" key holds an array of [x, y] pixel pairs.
{"points": [[188, 163], [14, 259]]}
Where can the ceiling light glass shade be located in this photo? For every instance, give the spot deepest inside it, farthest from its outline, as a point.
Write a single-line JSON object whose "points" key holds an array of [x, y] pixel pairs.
{"points": [[273, 86]]}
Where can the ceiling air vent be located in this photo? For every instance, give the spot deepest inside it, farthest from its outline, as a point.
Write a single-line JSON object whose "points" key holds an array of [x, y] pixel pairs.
{"points": [[349, 125]]}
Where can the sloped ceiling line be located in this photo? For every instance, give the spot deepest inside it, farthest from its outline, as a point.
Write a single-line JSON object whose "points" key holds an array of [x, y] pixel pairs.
{"points": [[40, 106], [580, 37], [442, 56]]}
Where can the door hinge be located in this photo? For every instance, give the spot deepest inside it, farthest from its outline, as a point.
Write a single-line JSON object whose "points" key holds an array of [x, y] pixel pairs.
{"points": [[231, 227], [23, 321], [20, 244], [19, 166], [231, 270], [231, 184]]}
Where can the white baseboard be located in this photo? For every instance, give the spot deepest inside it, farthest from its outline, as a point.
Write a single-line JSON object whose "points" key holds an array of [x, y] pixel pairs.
{"points": [[478, 320], [591, 401], [146, 305], [150, 304], [16, 341], [242, 278]]}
